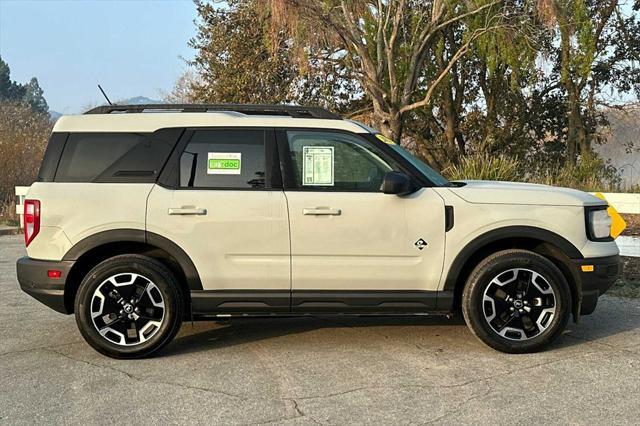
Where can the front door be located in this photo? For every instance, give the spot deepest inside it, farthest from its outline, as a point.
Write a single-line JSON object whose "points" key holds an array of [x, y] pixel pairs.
{"points": [[354, 248], [227, 211]]}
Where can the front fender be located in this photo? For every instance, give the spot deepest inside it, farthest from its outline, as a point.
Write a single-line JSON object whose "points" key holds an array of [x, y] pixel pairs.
{"points": [[502, 234]]}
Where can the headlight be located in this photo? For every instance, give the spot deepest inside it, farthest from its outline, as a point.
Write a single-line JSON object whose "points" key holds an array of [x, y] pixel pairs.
{"points": [[598, 223]]}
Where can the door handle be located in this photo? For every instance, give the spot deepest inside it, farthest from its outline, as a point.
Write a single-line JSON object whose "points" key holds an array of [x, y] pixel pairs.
{"points": [[318, 211], [187, 211]]}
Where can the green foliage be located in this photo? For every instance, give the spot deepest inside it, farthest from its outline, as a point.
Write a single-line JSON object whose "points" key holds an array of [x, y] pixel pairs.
{"points": [[233, 61], [239, 60], [577, 38], [34, 96], [484, 167], [10, 91], [530, 84], [30, 93], [590, 174]]}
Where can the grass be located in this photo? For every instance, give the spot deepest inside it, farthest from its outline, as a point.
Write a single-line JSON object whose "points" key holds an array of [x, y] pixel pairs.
{"points": [[484, 167], [589, 174]]}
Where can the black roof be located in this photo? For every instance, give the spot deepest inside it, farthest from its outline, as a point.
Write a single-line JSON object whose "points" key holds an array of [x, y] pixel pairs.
{"points": [[288, 110]]}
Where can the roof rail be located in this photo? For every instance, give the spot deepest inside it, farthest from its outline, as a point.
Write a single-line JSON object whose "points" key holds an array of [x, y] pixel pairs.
{"points": [[290, 110]]}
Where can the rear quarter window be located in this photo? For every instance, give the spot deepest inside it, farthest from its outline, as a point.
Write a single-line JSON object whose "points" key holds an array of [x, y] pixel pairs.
{"points": [[113, 157], [51, 158]]}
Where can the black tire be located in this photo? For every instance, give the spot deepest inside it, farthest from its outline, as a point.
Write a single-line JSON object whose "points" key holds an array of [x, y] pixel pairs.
{"points": [[167, 308], [510, 269]]}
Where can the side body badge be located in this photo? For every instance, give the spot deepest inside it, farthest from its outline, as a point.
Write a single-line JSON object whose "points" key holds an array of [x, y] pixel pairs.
{"points": [[420, 244]]}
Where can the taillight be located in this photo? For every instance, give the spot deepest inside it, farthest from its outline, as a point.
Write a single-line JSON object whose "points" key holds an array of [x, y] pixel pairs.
{"points": [[31, 220]]}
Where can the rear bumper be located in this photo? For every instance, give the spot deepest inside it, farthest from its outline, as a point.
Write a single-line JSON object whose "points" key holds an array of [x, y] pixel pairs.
{"points": [[606, 271], [34, 280]]}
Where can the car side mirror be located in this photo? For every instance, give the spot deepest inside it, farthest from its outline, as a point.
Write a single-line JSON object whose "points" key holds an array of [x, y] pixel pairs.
{"points": [[397, 183]]}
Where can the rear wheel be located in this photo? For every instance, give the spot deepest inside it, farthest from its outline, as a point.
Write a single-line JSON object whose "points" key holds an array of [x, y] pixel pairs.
{"points": [[516, 301], [129, 306]]}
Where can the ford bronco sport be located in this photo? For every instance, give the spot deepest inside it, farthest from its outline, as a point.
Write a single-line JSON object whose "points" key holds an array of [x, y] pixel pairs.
{"points": [[146, 215]]}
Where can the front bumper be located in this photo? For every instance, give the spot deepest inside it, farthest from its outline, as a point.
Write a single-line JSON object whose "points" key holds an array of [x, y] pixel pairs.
{"points": [[595, 282], [34, 280]]}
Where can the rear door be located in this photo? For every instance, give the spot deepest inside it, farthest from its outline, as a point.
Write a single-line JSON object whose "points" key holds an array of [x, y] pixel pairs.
{"points": [[353, 247], [221, 200]]}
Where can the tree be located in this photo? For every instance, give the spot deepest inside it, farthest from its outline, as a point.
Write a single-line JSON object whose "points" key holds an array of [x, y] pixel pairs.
{"points": [[34, 97], [238, 60], [182, 91], [597, 49], [9, 90], [389, 45], [527, 79], [23, 138], [30, 93], [233, 62]]}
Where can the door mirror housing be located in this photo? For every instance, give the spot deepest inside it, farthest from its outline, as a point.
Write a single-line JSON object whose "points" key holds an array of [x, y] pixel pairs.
{"points": [[397, 183]]}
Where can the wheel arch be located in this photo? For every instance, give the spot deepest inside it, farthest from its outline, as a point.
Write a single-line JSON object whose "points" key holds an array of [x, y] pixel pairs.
{"points": [[554, 247], [90, 251]]}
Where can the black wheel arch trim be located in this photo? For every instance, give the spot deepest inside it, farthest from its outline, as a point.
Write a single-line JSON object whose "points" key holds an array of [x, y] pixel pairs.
{"points": [[504, 234], [104, 237], [183, 259], [138, 236]]}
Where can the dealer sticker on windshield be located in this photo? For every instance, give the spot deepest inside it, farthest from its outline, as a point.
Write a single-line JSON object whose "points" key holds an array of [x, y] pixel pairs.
{"points": [[317, 165], [224, 163], [385, 139]]}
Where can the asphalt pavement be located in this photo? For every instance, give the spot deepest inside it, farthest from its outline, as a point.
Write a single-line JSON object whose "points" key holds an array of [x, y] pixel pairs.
{"points": [[315, 370]]}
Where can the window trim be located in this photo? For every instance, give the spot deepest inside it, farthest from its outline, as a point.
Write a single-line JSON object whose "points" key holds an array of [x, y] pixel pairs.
{"points": [[417, 176], [170, 176], [52, 156], [288, 175]]}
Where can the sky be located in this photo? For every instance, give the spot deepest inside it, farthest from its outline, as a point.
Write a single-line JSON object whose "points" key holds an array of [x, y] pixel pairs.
{"points": [[131, 47]]}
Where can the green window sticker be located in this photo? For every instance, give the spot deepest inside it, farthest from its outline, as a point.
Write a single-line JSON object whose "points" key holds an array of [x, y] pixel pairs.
{"points": [[217, 163], [224, 163]]}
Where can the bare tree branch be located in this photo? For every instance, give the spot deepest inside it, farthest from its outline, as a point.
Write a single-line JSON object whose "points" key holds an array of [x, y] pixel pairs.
{"points": [[454, 59], [466, 15]]}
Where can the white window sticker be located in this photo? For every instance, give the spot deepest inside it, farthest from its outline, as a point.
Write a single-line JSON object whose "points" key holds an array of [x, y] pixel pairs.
{"points": [[224, 163], [317, 165]]}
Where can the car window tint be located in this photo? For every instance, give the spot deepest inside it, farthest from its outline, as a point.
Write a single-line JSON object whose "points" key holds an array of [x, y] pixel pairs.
{"points": [[336, 161], [111, 157], [224, 159]]}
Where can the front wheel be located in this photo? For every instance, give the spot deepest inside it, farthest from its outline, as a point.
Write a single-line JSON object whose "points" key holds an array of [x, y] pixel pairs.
{"points": [[129, 306], [516, 301]]}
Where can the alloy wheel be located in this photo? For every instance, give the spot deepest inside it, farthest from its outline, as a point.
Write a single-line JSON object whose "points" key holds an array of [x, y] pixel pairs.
{"points": [[127, 309], [519, 304]]}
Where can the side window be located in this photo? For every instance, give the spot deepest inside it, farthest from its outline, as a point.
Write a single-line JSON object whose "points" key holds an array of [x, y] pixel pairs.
{"points": [[112, 157], [333, 161], [224, 159]]}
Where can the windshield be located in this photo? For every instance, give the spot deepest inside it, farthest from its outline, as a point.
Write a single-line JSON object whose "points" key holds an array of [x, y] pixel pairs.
{"points": [[431, 174]]}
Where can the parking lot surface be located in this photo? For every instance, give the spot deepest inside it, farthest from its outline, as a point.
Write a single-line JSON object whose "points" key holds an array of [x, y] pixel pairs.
{"points": [[314, 370]]}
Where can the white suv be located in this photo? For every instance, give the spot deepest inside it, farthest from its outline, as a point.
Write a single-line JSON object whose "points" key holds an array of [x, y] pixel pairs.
{"points": [[146, 215]]}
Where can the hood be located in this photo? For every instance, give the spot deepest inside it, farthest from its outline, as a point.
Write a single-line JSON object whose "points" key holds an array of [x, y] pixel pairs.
{"points": [[494, 192]]}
